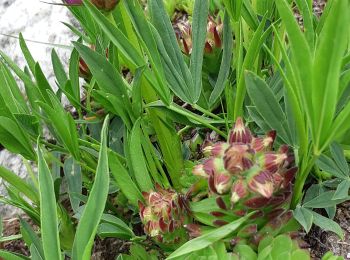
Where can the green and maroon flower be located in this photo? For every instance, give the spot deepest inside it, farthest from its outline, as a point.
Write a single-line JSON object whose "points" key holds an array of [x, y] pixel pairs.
{"points": [[164, 214], [245, 174]]}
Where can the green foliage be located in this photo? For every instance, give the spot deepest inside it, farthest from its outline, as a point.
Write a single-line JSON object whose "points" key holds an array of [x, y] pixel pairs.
{"points": [[172, 90]]}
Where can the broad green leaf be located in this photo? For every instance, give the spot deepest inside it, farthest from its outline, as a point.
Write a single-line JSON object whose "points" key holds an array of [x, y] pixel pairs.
{"points": [[208, 239], [304, 217], [328, 224], [267, 105], [123, 179], [342, 190], [225, 62], [324, 200], [137, 157], [48, 211], [14, 139], [199, 34], [91, 216]]}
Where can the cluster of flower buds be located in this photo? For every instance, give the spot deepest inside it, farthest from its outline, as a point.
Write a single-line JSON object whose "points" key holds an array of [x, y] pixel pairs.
{"points": [[213, 41], [246, 175], [246, 166], [104, 5], [164, 214]]}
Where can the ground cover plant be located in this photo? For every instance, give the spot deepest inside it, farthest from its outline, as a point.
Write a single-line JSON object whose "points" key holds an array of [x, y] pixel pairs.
{"points": [[211, 129]]}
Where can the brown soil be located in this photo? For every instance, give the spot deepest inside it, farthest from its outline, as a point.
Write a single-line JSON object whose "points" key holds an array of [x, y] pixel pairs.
{"points": [[322, 241], [104, 249]]}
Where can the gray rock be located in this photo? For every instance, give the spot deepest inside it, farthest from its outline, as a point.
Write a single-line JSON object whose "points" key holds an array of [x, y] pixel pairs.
{"points": [[41, 26]]}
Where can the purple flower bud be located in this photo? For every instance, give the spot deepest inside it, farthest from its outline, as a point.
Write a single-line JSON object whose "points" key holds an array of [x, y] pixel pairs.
{"points": [[261, 182], [240, 133], [238, 158], [222, 182], [238, 191], [216, 150]]}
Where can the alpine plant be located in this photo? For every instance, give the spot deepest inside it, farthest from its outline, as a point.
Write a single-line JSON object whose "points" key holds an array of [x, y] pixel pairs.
{"points": [[213, 43], [164, 215], [244, 175]]}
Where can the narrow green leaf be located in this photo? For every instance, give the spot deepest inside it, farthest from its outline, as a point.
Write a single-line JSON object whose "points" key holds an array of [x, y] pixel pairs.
{"points": [[74, 74], [171, 51], [137, 157], [327, 69], [49, 222], [123, 179], [145, 35], [339, 158], [95, 205], [225, 62], [19, 183], [208, 239], [10, 91], [328, 165], [72, 172], [27, 55], [58, 68], [116, 36], [12, 256], [199, 34], [30, 237], [249, 60], [108, 79], [301, 58]]}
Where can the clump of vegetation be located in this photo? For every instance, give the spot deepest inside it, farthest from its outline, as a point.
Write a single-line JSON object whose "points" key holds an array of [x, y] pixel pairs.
{"points": [[156, 151]]}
